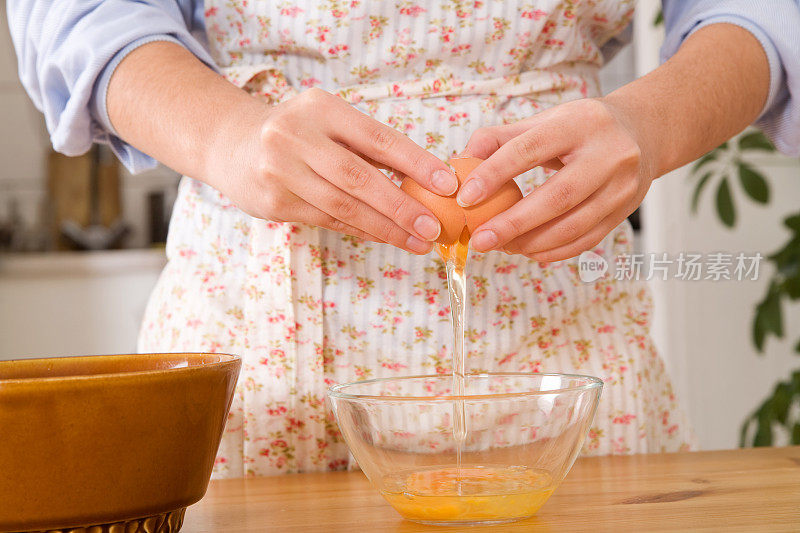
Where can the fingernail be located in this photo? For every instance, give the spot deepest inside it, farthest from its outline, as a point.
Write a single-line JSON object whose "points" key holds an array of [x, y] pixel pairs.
{"points": [[427, 227], [444, 182], [418, 246], [484, 240], [470, 193]]}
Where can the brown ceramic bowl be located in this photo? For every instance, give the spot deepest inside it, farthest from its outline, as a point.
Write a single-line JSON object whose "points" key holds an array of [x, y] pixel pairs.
{"points": [[119, 443]]}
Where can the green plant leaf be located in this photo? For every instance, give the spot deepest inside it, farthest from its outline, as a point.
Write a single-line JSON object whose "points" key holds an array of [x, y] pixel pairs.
{"points": [[781, 401], [725, 208], [768, 317], [793, 223], [796, 433], [797, 347], [755, 141], [743, 432], [792, 287], [763, 435], [708, 158], [753, 183], [701, 183], [659, 18]]}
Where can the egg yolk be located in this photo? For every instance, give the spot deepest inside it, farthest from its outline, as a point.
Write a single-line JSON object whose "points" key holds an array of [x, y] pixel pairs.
{"points": [[471, 493], [456, 251]]}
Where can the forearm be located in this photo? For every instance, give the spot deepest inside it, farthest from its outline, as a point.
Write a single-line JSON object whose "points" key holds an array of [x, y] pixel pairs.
{"points": [[165, 102], [711, 89]]}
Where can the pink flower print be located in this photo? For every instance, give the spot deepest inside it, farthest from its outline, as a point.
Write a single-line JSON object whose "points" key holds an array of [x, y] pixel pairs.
{"points": [[554, 43], [273, 319], [322, 33], [600, 18], [447, 33], [293, 424], [187, 253], [337, 464], [292, 11], [396, 90], [211, 11], [535, 367], [457, 118], [507, 358], [337, 49], [309, 82], [394, 273], [393, 365], [555, 295], [536, 14], [412, 11], [619, 446], [505, 268], [624, 419], [608, 328]]}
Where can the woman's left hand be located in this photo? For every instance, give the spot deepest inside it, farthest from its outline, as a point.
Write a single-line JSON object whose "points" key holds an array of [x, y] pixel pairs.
{"points": [[603, 175]]}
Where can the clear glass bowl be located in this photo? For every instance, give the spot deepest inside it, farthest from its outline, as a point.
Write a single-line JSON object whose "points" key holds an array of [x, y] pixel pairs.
{"points": [[523, 433]]}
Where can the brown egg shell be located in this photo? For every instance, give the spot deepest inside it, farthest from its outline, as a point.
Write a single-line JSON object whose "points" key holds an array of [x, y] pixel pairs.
{"points": [[452, 216], [478, 214], [444, 208]]}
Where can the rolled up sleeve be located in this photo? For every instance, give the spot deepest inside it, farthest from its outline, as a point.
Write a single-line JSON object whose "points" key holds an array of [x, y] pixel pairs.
{"points": [[68, 50], [777, 28]]}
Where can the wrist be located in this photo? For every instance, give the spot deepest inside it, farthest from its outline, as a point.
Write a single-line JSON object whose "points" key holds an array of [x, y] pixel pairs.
{"points": [[655, 154], [232, 149]]}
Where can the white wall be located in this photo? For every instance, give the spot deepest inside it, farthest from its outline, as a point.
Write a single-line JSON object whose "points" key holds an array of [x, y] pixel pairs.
{"points": [[703, 329], [23, 138], [74, 303]]}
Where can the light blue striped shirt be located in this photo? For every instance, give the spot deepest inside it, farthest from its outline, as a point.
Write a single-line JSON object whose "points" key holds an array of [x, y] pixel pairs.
{"points": [[68, 50]]}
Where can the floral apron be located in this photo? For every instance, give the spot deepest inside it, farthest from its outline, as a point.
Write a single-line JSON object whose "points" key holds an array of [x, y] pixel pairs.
{"points": [[307, 308]]}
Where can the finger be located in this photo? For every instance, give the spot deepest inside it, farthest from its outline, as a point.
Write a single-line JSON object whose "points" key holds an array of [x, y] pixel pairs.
{"points": [[563, 191], [547, 137], [316, 217], [388, 146], [486, 141], [358, 178], [581, 244], [322, 194], [376, 164], [572, 224]]}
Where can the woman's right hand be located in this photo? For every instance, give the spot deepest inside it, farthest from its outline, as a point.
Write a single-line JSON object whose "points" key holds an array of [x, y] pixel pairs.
{"points": [[312, 159]]}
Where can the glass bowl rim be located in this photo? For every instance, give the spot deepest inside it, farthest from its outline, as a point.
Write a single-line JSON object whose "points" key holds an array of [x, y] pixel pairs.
{"points": [[336, 391]]}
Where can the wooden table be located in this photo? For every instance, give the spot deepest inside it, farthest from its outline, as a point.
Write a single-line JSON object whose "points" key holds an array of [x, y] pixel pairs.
{"points": [[736, 490]]}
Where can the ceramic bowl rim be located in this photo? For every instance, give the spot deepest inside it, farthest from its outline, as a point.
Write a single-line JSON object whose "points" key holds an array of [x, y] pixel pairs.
{"points": [[593, 382], [226, 360]]}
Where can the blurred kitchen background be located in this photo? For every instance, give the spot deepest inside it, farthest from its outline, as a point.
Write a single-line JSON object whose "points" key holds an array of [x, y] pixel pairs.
{"points": [[56, 300]]}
